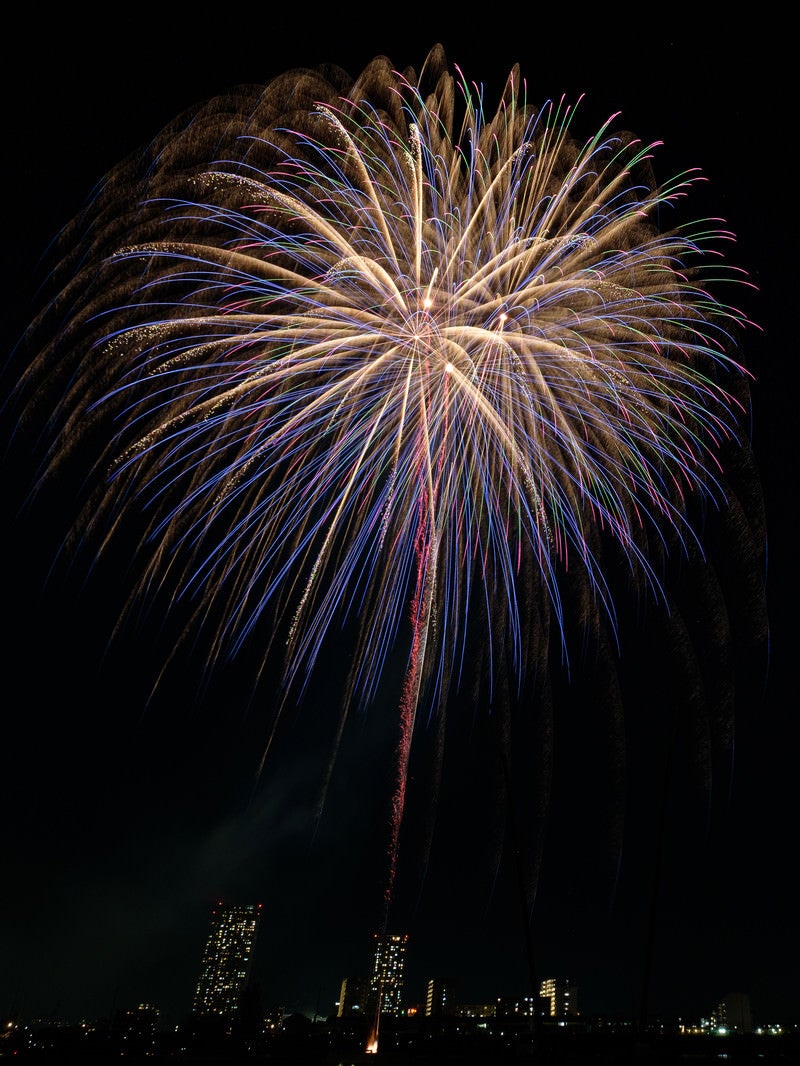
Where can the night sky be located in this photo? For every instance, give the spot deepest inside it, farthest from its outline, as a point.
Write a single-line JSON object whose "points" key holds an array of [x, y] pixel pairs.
{"points": [[126, 817]]}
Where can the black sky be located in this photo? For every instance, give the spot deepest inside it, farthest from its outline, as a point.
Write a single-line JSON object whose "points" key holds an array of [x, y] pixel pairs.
{"points": [[126, 821]]}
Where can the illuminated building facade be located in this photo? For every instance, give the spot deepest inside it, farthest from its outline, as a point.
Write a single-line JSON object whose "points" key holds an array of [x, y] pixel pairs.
{"points": [[439, 998], [509, 1007], [559, 996], [386, 982], [474, 1010], [227, 959]]}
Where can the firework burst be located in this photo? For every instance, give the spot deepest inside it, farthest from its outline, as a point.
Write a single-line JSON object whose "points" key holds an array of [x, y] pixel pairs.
{"points": [[367, 353]]}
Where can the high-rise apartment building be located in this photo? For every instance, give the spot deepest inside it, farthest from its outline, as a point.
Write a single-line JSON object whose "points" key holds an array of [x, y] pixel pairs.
{"points": [[559, 996], [353, 997], [386, 982], [227, 959], [439, 997], [733, 1013]]}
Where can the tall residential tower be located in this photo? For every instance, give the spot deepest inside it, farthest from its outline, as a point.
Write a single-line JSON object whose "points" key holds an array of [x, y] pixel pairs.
{"points": [[227, 959], [386, 982], [559, 997]]}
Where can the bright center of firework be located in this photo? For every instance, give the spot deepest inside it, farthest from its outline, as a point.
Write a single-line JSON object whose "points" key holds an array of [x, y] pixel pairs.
{"points": [[422, 327], [423, 336]]}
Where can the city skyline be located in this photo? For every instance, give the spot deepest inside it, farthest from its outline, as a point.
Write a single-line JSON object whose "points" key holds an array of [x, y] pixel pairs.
{"points": [[499, 1031], [131, 813], [226, 980]]}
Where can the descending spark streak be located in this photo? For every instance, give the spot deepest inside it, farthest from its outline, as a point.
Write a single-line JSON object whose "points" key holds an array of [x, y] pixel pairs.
{"points": [[359, 360], [420, 608]]}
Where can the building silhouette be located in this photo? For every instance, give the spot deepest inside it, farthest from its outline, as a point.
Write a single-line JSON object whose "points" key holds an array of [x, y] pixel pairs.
{"points": [[353, 997], [227, 960], [134, 1029], [732, 1014], [386, 982]]}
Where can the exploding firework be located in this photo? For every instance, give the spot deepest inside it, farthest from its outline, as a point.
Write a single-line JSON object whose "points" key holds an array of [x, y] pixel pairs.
{"points": [[363, 354]]}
